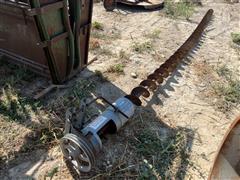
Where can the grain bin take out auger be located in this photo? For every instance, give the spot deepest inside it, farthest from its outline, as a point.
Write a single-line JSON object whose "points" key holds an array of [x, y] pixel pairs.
{"points": [[82, 143]]}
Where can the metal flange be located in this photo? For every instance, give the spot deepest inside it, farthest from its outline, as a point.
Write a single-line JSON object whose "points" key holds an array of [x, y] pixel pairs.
{"points": [[109, 5]]}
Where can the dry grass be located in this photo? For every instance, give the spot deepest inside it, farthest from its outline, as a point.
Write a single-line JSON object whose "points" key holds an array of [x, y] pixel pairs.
{"points": [[158, 155], [27, 125], [150, 151], [183, 8], [94, 44], [223, 88], [124, 56], [153, 35]]}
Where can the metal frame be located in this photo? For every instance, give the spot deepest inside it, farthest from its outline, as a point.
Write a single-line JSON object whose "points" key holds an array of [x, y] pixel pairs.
{"points": [[51, 46]]}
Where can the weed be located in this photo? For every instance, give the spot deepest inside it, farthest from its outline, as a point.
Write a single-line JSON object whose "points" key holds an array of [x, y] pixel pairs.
{"points": [[153, 35], [142, 47], [47, 135], [100, 75], [15, 75], [15, 107], [224, 71], [118, 68], [123, 55], [83, 89], [230, 90], [164, 151], [72, 98], [52, 172], [97, 25], [236, 38], [182, 8]]}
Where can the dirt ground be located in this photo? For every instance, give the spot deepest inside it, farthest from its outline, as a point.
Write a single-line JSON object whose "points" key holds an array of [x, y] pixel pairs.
{"points": [[174, 135]]}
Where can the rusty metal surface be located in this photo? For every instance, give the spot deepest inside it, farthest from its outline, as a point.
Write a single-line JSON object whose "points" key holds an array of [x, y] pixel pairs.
{"points": [[81, 26], [109, 5], [147, 4], [19, 36], [50, 19], [169, 66], [225, 144], [39, 34]]}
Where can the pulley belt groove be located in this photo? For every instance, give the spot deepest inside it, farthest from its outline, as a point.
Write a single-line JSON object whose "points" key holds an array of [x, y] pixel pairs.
{"points": [[169, 66]]}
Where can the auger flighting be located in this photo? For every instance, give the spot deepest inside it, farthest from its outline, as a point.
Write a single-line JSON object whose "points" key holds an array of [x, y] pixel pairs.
{"points": [[80, 145]]}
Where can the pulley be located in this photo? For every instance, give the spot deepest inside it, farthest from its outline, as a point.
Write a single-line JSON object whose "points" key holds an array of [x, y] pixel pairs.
{"points": [[78, 150]]}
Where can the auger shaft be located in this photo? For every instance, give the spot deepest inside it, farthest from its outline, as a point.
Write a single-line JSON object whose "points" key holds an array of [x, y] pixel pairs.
{"points": [[169, 66]]}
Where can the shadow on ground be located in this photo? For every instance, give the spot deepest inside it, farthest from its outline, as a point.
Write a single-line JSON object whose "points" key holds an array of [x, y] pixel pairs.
{"points": [[145, 148]]}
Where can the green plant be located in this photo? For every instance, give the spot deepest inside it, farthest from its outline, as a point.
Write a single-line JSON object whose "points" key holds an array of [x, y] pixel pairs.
{"points": [[182, 8], [82, 89], [118, 68], [224, 71], [52, 172], [236, 38], [100, 75], [18, 74], [47, 135], [97, 25], [164, 151], [230, 90], [71, 98], [142, 47], [14, 106]]}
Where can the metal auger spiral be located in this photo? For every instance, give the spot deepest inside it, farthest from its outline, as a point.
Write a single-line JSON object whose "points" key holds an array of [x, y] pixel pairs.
{"points": [[169, 66], [82, 142]]}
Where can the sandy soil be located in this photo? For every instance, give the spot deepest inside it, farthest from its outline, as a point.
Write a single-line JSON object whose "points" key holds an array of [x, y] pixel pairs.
{"points": [[185, 101]]}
